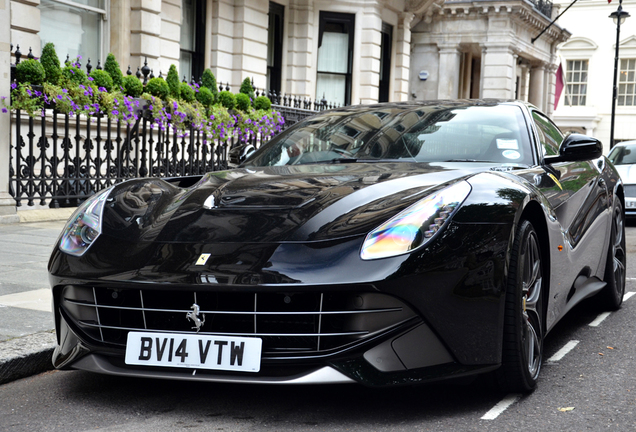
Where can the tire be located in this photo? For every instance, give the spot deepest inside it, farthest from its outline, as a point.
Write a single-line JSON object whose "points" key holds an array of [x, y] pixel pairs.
{"points": [[522, 349], [612, 294]]}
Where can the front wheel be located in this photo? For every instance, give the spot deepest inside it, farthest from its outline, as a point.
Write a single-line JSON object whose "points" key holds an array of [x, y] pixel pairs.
{"points": [[523, 322], [613, 292]]}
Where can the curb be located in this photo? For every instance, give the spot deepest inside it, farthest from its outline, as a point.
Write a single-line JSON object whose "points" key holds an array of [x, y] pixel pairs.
{"points": [[37, 215], [25, 356]]}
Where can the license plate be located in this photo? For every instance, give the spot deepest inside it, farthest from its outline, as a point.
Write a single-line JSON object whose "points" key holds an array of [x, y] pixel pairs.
{"points": [[194, 351], [630, 204]]}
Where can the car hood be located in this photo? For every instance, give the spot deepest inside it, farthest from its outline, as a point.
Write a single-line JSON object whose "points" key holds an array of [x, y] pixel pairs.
{"points": [[275, 204], [627, 173]]}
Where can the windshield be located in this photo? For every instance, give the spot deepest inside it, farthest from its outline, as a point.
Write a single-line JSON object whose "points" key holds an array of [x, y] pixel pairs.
{"points": [[479, 133], [623, 155]]}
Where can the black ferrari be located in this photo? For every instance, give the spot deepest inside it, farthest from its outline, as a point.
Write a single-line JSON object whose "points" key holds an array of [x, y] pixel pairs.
{"points": [[382, 244]]}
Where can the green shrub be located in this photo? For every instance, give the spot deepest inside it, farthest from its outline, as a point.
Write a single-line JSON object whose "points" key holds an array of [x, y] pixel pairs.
{"points": [[102, 79], [246, 88], [73, 74], [51, 63], [158, 87], [30, 72], [173, 82], [227, 99], [242, 101], [187, 93], [262, 103], [132, 86], [112, 67], [208, 80], [205, 96]]}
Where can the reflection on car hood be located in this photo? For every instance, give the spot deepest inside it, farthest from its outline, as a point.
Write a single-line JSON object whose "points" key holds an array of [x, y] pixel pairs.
{"points": [[627, 173], [275, 204]]}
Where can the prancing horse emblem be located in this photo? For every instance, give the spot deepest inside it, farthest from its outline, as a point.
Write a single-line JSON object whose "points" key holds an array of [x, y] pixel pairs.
{"points": [[194, 317]]}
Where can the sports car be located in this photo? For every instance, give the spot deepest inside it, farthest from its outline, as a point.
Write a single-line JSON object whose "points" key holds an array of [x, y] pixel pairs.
{"points": [[382, 244]]}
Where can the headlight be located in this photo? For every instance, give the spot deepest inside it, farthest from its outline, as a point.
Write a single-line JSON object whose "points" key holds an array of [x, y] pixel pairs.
{"points": [[416, 225], [84, 226]]}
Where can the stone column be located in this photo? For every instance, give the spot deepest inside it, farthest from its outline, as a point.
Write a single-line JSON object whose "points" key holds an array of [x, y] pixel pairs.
{"points": [[25, 25], [250, 42], [120, 32], [145, 28], [523, 82], [301, 76], [498, 72], [222, 42], [170, 35], [370, 52], [7, 203], [448, 78], [536, 90], [401, 72], [513, 88], [550, 88]]}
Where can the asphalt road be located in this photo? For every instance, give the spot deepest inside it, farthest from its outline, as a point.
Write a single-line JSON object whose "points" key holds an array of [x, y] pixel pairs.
{"points": [[590, 387]]}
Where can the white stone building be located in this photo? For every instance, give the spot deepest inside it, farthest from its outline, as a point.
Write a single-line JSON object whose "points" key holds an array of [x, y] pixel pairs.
{"points": [[588, 61], [349, 51], [484, 49]]}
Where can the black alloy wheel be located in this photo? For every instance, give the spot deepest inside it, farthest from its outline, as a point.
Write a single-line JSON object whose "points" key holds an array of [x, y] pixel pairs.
{"points": [[523, 322], [613, 292]]}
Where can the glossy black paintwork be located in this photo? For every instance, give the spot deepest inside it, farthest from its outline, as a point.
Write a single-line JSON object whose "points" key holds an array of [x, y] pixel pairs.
{"points": [[295, 228]]}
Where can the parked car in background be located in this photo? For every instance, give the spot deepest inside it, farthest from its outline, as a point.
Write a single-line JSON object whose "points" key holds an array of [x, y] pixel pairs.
{"points": [[381, 244], [623, 156]]}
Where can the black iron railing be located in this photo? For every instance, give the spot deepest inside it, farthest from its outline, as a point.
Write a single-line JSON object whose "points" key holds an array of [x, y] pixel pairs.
{"points": [[60, 159], [543, 6], [63, 159]]}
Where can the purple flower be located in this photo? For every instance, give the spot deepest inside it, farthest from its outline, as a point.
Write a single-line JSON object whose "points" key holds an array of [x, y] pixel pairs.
{"points": [[91, 79], [86, 107], [79, 57], [14, 85], [115, 112], [64, 91], [102, 89], [72, 71], [4, 110], [29, 92]]}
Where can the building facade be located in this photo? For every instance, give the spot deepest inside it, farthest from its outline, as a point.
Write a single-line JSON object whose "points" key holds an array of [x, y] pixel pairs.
{"points": [[484, 49], [347, 52], [587, 59]]}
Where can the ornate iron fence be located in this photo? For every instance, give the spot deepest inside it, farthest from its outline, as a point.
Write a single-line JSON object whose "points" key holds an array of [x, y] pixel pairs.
{"points": [[59, 159], [62, 159]]}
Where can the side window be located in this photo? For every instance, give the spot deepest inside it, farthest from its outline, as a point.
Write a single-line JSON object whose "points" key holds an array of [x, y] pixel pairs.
{"points": [[549, 135]]}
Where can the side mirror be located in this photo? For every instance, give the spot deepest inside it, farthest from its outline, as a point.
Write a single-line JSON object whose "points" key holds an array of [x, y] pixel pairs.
{"points": [[577, 147]]}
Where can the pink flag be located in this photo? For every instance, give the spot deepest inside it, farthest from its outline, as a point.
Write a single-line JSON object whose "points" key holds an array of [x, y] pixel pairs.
{"points": [[559, 85]]}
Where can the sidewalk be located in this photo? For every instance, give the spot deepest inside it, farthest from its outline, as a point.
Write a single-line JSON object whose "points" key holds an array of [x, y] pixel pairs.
{"points": [[26, 322]]}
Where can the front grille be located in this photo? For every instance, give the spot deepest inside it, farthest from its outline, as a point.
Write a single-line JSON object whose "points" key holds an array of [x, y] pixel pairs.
{"points": [[630, 191], [289, 323]]}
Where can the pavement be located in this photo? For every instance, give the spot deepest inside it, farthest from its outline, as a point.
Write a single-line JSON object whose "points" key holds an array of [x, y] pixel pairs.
{"points": [[27, 336]]}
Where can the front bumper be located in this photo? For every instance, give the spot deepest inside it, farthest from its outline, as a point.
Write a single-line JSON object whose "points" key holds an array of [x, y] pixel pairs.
{"points": [[450, 297]]}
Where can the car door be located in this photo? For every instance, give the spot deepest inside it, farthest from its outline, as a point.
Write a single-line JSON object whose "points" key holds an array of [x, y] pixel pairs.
{"points": [[578, 196]]}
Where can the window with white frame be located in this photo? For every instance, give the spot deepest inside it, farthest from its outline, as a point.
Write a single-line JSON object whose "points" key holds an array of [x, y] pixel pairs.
{"points": [[627, 83], [576, 82], [335, 57], [192, 42], [75, 27]]}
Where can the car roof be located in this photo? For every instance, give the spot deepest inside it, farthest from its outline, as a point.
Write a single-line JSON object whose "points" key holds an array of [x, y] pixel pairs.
{"points": [[630, 143]]}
